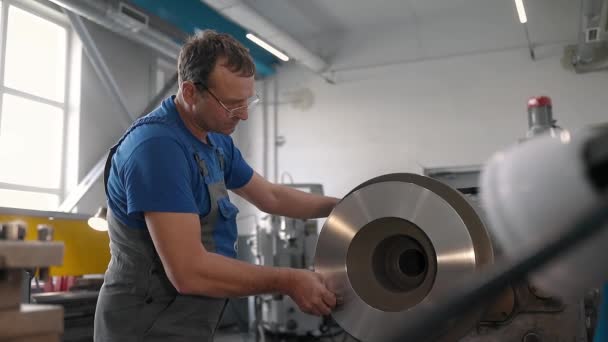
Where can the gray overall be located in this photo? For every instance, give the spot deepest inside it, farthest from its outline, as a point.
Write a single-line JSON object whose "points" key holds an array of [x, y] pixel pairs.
{"points": [[137, 302]]}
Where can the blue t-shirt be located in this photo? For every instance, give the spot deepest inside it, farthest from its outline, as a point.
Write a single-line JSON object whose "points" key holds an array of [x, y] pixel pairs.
{"points": [[154, 170]]}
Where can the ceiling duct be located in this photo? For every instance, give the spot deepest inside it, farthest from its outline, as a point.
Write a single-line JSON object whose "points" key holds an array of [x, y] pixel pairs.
{"points": [[249, 19], [591, 52], [123, 19]]}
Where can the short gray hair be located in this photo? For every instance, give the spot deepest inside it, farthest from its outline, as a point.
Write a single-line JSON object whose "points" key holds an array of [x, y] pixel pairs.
{"points": [[200, 53]]}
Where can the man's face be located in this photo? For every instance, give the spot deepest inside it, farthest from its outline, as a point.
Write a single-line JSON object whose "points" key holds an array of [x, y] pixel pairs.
{"points": [[226, 91]]}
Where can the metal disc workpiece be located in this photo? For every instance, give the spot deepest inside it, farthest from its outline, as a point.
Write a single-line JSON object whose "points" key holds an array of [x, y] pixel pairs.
{"points": [[394, 243]]}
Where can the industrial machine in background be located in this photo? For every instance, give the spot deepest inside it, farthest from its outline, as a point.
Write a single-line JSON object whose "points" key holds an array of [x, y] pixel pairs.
{"points": [[70, 285], [20, 320], [529, 312], [287, 242], [525, 312]]}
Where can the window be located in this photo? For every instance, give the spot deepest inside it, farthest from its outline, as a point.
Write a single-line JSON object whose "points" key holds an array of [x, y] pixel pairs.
{"points": [[33, 107]]}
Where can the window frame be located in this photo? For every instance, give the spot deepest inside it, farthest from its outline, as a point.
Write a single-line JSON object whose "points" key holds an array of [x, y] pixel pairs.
{"points": [[54, 16]]}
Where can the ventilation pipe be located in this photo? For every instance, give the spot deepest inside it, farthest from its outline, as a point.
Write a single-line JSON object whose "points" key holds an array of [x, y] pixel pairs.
{"points": [[120, 18]]}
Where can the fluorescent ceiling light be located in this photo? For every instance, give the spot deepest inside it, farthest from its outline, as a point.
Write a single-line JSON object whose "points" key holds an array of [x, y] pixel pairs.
{"points": [[268, 47], [521, 11]]}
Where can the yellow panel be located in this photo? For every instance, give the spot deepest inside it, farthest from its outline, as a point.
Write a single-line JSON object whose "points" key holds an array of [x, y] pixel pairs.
{"points": [[86, 251]]}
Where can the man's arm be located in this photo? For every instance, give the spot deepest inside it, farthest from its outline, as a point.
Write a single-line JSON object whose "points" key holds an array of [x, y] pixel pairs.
{"points": [[195, 271], [285, 201]]}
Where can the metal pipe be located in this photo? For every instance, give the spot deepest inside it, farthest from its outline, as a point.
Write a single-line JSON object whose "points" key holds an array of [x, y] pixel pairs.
{"points": [[100, 12], [584, 52], [580, 49], [530, 45], [265, 129], [276, 130]]}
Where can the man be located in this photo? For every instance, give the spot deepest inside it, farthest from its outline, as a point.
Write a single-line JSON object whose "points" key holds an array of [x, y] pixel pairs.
{"points": [[172, 226]]}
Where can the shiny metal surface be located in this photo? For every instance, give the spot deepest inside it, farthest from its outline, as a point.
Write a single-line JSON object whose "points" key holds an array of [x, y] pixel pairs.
{"points": [[368, 235]]}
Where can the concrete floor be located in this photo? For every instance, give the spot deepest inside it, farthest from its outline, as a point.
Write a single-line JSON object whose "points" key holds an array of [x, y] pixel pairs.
{"points": [[233, 335]]}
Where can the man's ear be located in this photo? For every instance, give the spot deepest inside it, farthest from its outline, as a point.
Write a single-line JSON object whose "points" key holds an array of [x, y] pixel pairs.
{"points": [[189, 92]]}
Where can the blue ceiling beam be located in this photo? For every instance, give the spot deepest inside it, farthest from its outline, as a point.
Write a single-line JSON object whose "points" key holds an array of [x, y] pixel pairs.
{"points": [[192, 15]]}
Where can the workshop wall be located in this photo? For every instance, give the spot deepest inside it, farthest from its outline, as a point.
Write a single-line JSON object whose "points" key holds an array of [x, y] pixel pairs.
{"points": [[447, 93], [134, 68], [249, 137], [443, 113]]}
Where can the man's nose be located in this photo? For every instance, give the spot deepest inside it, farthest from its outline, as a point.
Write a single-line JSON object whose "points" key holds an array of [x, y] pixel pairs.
{"points": [[242, 114]]}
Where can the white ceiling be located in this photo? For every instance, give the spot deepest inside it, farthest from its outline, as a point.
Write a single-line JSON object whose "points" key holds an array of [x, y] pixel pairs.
{"points": [[324, 25], [306, 18], [353, 14]]}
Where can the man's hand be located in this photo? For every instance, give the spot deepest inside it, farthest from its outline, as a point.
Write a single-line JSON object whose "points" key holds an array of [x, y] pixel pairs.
{"points": [[307, 289]]}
